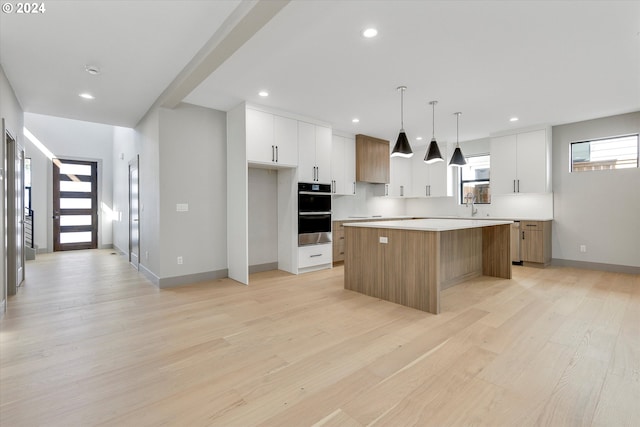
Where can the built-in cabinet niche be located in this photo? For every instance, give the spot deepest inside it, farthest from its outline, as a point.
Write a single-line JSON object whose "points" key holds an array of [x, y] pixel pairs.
{"points": [[259, 137]]}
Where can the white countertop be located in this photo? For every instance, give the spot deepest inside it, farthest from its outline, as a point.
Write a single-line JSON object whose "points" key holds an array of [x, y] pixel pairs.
{"points": [[430, 224], [490, 218]]}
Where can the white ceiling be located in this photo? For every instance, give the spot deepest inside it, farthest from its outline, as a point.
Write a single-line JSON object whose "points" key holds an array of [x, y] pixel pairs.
{"points": [[543, 61]]}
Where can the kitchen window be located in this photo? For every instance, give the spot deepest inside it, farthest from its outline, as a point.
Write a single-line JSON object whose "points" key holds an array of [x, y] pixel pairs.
{"points": [[474, 180], [619, 152]]}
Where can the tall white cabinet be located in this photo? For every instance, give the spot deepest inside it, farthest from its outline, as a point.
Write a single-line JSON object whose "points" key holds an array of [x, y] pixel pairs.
{"points": [[521, 162], [343, 165], [314, 153], [268, 139]]}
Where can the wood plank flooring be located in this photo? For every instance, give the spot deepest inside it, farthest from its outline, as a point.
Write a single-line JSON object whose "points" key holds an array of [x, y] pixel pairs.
{"points": [[87, 341]]}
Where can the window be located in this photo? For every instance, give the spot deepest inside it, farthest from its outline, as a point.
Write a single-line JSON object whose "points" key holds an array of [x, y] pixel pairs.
{"points": [[601, 154], [474, 180]]}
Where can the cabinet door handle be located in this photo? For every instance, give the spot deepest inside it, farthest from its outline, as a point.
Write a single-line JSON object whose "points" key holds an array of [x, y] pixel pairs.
{"points": [[276, 153], [426, 190], [514, 185], [273, 155], [315, 255], [354, 187], [518, 186], [523, 235]]}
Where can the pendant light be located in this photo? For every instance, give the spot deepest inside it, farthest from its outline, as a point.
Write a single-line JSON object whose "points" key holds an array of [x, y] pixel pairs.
{"points": [[433, 151], [457, 159], [402, 147]]}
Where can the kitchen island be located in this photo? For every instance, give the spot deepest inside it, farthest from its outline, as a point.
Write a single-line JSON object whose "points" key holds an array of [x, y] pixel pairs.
{"points": [[409, 262]]}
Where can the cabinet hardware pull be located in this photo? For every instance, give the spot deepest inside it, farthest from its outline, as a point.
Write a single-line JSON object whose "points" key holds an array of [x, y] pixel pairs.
{"points": [[518, 186], [401, 190], [315, 255], [273, 156], [354, 187], [523, 235], [514, 185], [276, 153]]}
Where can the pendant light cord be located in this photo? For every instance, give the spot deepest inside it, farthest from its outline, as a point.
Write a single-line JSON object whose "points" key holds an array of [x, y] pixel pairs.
{"points": [[402, 108], [433, 120]]}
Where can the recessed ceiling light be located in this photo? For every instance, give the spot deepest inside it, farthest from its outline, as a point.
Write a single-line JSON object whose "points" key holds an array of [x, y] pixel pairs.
{"points": [[263, 93], [94, 70], [513, 119], [87, 96], [418, 138], [356, 120], [370, 33]]}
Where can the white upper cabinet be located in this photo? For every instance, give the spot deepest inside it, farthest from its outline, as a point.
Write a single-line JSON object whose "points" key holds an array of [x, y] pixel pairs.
{"points": [[260, 146], [521, 163], [343, 165], [271, 139], [428, 180], [314, 153], [286, 140], [400, 177]]}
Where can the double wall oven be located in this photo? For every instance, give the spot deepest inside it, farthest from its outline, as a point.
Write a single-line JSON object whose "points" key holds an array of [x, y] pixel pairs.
{"points": [[314, 213]]}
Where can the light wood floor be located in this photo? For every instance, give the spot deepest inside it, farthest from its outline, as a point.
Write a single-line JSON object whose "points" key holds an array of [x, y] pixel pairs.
{"points": [[88, 341]]}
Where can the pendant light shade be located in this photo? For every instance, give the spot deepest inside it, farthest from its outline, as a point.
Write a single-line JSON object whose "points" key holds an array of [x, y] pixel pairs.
{"points": [[458, 158], [402, 147], [433, 151]]}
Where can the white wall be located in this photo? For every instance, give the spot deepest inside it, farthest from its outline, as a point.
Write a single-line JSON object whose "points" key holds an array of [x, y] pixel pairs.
{"points": [[599, 209], [193, 171], [263, 216], [147, 141], [366, 201], [125, 149], [69, 139], [11, 112]]}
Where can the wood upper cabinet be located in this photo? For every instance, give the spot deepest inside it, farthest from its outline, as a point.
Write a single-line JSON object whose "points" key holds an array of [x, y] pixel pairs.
{"points": [[372, 159], [314, 159], [271, 139], [521, 163]]}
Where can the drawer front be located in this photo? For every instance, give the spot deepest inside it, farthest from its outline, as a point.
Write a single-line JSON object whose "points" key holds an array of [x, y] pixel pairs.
{"points": [[530, 225], [309, 256]]}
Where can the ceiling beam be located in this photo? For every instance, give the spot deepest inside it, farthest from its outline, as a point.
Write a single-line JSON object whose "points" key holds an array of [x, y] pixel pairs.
{"points": [[243, 23]]}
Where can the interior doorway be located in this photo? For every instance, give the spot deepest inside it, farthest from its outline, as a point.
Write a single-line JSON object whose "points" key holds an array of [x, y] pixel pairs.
{"points": [[13, 202], [75, 205], [134, 212]]}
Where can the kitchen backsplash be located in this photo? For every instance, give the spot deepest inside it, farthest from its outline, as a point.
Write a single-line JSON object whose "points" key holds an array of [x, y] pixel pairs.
{"points": [[366, 202]]}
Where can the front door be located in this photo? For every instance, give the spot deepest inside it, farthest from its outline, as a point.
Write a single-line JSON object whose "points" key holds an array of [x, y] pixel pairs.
{"points": [[75, 205]]}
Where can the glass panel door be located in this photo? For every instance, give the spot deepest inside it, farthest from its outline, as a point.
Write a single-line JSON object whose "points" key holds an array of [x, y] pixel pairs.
{"points": [[75, 200]]}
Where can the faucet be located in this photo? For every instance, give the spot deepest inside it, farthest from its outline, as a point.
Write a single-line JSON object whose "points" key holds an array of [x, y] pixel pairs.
{"points": [[472, 197]]}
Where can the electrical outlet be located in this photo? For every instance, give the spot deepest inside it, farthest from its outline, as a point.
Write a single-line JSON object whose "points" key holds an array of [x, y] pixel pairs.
{"points": [[583, 248], [384, 240], [180, 260]]}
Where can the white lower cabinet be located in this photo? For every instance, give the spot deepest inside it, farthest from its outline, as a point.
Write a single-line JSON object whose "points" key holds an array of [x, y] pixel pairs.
{"points": [[314, 255]]}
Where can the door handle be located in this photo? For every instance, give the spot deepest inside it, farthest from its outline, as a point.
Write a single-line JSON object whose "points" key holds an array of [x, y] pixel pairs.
{"points": [[276, 153], [273, 155]]}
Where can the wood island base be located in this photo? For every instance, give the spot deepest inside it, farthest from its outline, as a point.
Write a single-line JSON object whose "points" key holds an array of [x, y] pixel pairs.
{"points": [[410, 266]]}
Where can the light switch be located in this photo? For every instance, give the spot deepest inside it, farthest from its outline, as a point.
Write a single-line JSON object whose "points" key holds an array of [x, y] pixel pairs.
{"points": [[384, 240], [182, 207]]}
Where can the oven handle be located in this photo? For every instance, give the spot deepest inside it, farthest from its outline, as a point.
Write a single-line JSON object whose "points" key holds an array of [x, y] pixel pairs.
{"points": [[314, 213], [319, 193]]}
